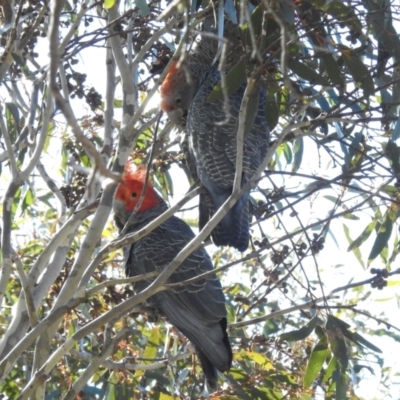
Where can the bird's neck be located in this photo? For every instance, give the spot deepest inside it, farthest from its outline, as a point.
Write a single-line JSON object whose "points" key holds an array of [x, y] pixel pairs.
{"points": [[200, 72], [141, 219]]}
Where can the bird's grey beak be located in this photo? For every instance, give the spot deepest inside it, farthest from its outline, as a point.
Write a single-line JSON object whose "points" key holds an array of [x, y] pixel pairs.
{"points": [[178, 116], [118, 206]]}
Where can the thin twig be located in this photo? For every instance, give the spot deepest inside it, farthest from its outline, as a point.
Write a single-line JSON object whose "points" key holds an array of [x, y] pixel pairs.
{"points": [[7, 140], [27, 288]]}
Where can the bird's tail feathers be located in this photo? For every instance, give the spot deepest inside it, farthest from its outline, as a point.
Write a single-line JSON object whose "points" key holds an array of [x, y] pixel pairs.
{"points": [[212, 343], [205, 210], [233, 229], [209, 339], [210, 372]]}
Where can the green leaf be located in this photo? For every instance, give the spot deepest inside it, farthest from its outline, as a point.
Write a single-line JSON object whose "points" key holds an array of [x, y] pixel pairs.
{"points": [[344, 325], [386, 333], [71, 329], [258, 358], [383, 236], [12, 118], [318, 3], [164, 396], [354, 336], [356, 250], [307, 73], [50, 134], [15, 203], [99, 375], [364, 235], [272, 111], [14, 111], [287, 152], [234, 79], [117, 103], [256, 20], [298, 149], [152, 344], [33, 248], [353, 155], [110, 392], [164, 183], [316, 361], [351, 217], [341, 387], [233, 377], [332, 367], [301, 333], [393, 153], [357, 368], [169, 184], [28, 200], [238, 374], [85, 160], [357, 338], [271, 39], [395, 253], [333, 70], [143, 7], [336, 341], [391, 190], [109, 3], [158, 375], [333, 199], [21, 61], [251, 112], [304, 396], [358, 70]]}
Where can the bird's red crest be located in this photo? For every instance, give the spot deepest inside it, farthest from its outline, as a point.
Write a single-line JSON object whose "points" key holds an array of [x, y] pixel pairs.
{"points": [[134, 172], [167, 88], [130, 189]]}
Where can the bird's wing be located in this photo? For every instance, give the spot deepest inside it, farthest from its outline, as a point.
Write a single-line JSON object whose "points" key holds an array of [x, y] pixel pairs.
{"points": [[215, 145], [198, 309], [203, 298]]}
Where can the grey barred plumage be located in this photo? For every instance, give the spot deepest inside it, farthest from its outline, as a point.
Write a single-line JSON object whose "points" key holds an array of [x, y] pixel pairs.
{"points": [[213, 146], [197, 310], [184, 94]]}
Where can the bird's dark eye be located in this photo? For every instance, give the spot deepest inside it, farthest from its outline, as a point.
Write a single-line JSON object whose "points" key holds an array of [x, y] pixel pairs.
{"points": [[134, 195], [178, 100]]}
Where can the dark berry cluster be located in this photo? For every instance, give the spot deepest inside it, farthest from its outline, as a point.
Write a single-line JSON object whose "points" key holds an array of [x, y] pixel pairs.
{"points": [[272, 275], [317, 244], [62, 276], [76, 89], [276, 194], [263, 244], [380, 280], [93, 98], [264, 210], [279, 256], [301, 247], [163, 162], [353, 36], [74, 192]]}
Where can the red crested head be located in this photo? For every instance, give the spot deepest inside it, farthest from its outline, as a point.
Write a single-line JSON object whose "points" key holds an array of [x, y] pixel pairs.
{"points": [[177, 92], [130, 189], [168, 87]]}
